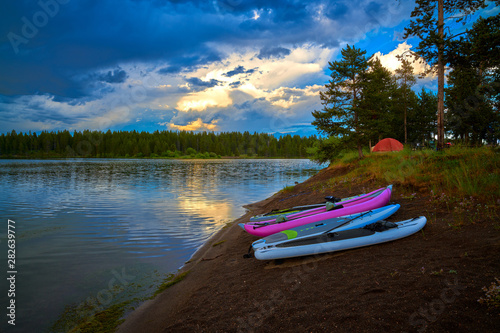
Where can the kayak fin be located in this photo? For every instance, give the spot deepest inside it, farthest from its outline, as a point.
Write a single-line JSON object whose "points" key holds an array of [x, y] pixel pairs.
{"points": [[249, 254]]}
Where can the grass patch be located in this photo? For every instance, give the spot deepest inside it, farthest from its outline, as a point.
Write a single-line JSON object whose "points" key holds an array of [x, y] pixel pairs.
{"points": [[461, 172], [90, 317], [227, 225], [169, 282], [103, 321], [464, 180], [218, 243], [287, 189]]}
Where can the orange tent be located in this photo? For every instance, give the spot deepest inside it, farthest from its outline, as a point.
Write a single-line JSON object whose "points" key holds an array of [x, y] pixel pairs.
{"points": [[388, 145]]}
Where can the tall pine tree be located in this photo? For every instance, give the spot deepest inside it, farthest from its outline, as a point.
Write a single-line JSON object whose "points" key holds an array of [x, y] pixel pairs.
{"points": [[340, 116], [406, 80], [428, 24], [377, 101]]}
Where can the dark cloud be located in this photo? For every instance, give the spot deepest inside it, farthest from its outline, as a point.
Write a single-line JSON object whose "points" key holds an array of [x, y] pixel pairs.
{"points": [[175, 69], [116, 76], [45, 49], [196, 82], [186, 63], [235, 84], [273, 52], [336, 10], [373, 8], [239, 70]]}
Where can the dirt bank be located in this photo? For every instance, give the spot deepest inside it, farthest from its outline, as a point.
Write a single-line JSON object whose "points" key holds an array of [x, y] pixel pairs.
{"points": [[430, 281]]}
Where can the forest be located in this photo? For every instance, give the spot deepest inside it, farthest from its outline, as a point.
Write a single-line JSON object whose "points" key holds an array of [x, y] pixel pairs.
{"points": [[364, 101], [159, 144]]}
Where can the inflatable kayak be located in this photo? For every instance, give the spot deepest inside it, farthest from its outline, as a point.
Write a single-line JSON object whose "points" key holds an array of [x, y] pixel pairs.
{"points": [[371, 234], [373, 200], [297, 209], [337, 223]]}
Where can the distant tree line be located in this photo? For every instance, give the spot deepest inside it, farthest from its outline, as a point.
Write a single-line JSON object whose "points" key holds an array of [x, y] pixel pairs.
{"points": [[168, 144]]}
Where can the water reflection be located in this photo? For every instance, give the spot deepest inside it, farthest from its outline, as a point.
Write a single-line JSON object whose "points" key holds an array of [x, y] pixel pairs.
{"points": [[79, 221]]}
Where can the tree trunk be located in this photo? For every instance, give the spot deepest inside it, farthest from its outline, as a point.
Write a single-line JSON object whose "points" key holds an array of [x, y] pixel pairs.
{"points": [[356, 129], [440, 115], [406, 133]]}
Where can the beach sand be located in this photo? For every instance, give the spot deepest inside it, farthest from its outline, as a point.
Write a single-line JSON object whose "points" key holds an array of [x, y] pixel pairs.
{"points": [[430, 281]]}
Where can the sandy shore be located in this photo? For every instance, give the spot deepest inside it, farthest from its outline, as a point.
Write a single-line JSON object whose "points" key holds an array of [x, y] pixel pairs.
{"points": [[430, 281]]}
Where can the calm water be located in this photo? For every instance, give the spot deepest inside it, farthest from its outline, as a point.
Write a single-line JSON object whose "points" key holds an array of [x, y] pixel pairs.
{"points": [[90, 233]]}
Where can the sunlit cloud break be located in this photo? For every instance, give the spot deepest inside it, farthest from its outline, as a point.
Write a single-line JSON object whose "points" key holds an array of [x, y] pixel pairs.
{"points": [[197, 125]]}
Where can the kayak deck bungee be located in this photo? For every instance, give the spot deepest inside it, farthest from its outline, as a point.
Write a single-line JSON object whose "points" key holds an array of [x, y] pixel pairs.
{"points": [[375, 233], [339, 223], [297, 209], [373, 200]]}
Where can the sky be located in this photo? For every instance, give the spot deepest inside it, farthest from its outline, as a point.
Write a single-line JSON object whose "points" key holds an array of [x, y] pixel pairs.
{"points": [[146, 65]]}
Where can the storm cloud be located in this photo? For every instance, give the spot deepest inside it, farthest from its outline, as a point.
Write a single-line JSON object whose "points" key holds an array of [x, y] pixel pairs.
{"points": [[103, 63]]}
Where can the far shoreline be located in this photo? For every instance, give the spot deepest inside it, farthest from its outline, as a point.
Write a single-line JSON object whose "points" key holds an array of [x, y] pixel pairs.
{"points": [[152, 158]]}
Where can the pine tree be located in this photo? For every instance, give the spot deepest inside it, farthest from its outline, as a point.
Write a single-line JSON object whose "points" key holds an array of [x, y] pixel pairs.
{"points": [[340, 114], [406, 80], [425, 117], [435, 41], [377, 102]]}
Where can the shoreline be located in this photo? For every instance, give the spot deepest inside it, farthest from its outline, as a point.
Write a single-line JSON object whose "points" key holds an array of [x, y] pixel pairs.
{"points": [[203, 253], [152, 158], [385, 287]]}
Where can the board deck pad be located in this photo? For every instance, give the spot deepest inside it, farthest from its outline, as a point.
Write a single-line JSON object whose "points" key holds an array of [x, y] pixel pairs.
{"points": [[330, 237]]}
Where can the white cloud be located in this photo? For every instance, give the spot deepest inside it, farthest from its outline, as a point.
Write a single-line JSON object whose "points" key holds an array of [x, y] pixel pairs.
{"points": [[272, 79], [391, 62], [199, 101], [286, 86], [197, 125]]}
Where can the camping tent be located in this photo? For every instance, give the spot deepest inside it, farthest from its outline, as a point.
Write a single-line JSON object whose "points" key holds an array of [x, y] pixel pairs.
{"points": [[388, 145]]}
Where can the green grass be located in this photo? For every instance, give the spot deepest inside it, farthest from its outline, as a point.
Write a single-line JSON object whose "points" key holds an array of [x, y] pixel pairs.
{"points": [[75, 320], [84, 318], [287, 189], [104, 321], [169, 282], [218, 243], [461, 172]]}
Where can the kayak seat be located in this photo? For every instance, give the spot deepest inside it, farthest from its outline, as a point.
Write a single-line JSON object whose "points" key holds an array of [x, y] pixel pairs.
{"points": [[380, 226], [281, 218], [331, 206]]}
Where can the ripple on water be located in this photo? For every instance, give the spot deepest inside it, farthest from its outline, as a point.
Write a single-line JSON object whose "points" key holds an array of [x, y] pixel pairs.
{"points": [[79, 222]]}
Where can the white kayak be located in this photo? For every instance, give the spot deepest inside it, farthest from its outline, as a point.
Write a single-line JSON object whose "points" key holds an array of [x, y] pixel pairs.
{"points": [[375, 233]]}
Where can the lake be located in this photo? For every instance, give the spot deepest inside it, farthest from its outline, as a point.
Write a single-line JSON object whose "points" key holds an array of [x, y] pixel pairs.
{"points": [[90, 233]]}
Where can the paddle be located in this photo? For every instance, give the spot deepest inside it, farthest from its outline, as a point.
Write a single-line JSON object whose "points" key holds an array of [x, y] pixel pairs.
{"points": [[330, 198], [327, 233], [282, 219], [355, 218]]}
